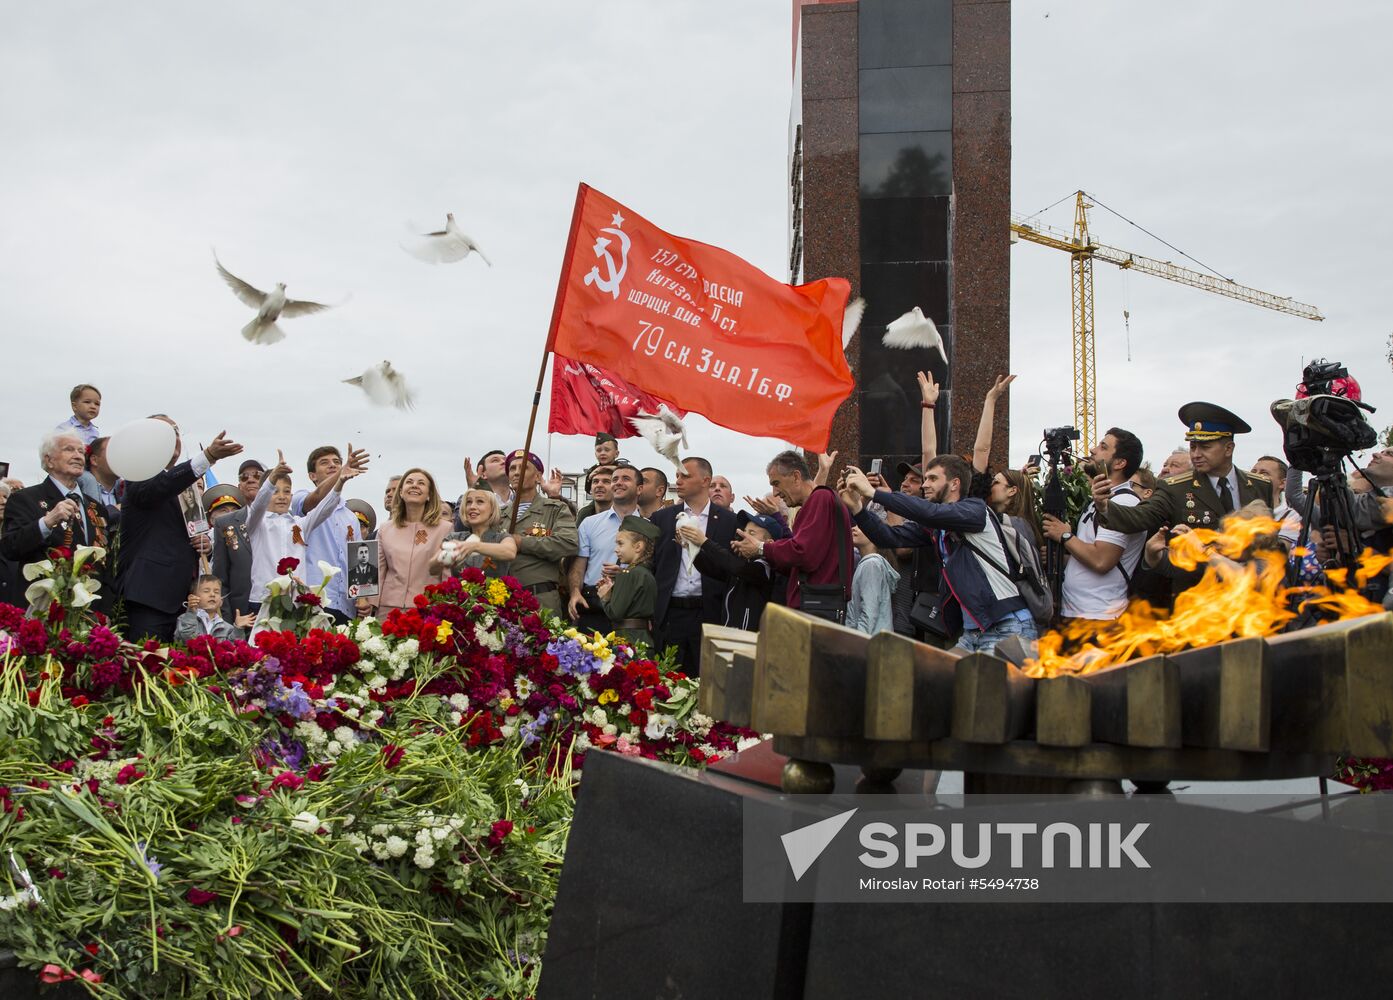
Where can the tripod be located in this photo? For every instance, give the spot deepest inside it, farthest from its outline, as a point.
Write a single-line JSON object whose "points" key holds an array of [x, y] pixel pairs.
{"points": [[1053, 504], [1332, 492]]}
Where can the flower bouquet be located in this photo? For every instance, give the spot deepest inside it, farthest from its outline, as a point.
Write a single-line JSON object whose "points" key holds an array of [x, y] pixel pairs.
{"points": [[291, 604]]}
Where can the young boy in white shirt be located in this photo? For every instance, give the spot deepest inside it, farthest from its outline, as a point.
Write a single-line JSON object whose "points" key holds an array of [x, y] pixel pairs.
{"points": [[277, 534]]}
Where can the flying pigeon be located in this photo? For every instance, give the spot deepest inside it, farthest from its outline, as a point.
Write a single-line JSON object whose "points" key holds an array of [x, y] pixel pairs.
{"points": [[663, 430], [269, 306], [912, 330], [445, 246], [384, 386], [851, 320]]}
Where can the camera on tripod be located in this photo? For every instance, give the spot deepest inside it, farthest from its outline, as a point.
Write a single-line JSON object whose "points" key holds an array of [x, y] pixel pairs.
{"points": [[1058, 441], [1318, 432]]}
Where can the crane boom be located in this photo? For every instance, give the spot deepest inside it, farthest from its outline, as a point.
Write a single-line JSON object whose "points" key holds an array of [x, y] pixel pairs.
{"points": [[1083, 251], [1046, 236]]}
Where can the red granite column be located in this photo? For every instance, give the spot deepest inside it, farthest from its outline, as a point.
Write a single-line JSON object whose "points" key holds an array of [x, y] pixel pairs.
{"points": [[981, 214], [831, 233]]}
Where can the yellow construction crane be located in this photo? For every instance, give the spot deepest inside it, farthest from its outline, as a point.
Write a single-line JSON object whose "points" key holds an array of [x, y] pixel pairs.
{"points": [[1083, 250]]}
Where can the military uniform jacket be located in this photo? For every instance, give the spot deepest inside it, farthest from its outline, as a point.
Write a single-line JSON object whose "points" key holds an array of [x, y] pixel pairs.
{"points": [[634, 596], [547, 536], [1189, 500], [232, 561]]}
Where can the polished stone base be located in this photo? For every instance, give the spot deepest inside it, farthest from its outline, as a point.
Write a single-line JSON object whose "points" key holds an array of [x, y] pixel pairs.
{"points": [[650, 906]]}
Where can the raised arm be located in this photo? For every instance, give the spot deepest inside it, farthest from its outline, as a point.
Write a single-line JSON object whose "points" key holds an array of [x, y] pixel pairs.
{"points": [[982, 447], [357, 458], [928, 429]]}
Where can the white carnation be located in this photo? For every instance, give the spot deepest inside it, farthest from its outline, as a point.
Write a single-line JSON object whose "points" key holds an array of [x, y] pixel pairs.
{"points": [[334, 748], [380, 830], [344, 735], [424, 858], [423, 837], [396, 847], [460, 702], [305, 822], [440, 832]]}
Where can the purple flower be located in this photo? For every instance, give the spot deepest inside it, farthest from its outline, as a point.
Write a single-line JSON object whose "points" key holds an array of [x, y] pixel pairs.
{"points": [[152, 863]]}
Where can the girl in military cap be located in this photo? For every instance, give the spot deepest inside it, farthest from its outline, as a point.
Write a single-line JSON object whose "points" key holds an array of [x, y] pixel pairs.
{"points": [[630, 596]]}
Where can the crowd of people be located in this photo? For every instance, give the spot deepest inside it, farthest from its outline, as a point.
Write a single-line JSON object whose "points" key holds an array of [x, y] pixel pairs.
{"points": [[956, 552]]}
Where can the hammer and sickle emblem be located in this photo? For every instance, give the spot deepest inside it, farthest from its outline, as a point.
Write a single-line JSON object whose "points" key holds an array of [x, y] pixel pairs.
{"points": [[610, 282]]}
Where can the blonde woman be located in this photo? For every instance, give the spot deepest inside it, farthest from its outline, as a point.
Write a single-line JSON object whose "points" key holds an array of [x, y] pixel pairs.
{"points": [[406, 545], [483, 544]]}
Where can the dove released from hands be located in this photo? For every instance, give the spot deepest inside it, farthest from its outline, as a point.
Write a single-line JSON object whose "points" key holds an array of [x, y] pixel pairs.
{"points": [[912, 330], [851, 320], [270, 306], [664, 430], [385, 386], [444, 246]]}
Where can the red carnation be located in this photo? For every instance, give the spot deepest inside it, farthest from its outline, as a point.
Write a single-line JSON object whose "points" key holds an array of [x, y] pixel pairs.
{"points": [[318, 772], [392, 755], [200, 897], [310, 599], [287, 779], [128, 774], [287, 565]]}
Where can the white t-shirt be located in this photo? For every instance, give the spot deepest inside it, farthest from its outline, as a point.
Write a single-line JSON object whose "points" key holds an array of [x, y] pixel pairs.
{"points": [[1102, 597]]}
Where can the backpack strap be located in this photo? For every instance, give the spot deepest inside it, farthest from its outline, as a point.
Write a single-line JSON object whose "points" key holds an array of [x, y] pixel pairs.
{"points": [[1014, 575], [1127, 577]]}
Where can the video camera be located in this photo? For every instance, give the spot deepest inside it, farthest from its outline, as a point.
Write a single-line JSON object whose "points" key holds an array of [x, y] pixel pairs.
{"points": [[1319, 431], [1327, 378], [1058, 441]]}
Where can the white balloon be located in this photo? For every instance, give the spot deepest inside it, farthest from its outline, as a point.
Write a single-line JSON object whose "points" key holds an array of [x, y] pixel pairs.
{"points": [[140, 449]]}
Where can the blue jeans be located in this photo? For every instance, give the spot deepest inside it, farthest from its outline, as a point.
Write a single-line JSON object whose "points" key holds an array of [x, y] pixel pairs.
{"points": [[984, 640]]}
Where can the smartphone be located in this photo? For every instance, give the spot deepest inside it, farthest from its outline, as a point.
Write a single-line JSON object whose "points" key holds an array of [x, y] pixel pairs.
{"points": [[1033, 460], [4, 470], [875, 466]]}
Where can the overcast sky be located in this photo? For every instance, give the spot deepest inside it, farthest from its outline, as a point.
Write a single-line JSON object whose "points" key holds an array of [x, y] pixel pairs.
{"points": [[299, 139]]}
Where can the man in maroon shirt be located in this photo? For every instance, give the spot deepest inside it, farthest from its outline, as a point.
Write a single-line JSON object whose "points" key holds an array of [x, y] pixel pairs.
{"points": [[821, 525]]}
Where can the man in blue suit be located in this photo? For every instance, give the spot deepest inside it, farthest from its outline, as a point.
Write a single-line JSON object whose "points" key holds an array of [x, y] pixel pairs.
{"points": [[157, 561]]}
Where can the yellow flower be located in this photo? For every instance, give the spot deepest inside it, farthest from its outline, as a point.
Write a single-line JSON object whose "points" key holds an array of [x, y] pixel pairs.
{"points": [[608, 695], [497, 591], [443, 631]]}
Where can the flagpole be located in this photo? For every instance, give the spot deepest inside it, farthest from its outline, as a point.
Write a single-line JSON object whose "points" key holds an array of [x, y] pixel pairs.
{"points": [[546, 351], [527, 446]]}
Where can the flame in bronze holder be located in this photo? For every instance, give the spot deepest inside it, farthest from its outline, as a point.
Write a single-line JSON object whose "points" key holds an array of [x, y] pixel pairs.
{"points": [[1244, 710]]}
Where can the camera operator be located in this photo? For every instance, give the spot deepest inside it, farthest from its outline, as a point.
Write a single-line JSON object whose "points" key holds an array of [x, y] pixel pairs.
{"points": [[1102, 561], [1201, 498], [977, 590]]}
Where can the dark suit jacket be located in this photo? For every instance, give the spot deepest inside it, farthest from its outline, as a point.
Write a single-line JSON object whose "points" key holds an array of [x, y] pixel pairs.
{"points": [[667, 557], [232, 561], [157, 562], [22, 541]]}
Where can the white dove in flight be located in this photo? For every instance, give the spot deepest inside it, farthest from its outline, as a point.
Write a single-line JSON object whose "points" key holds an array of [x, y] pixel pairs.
{"points": [[385, 386], [445, 246], [270, 306], [851, 320], [912, 330], [664, 430]]}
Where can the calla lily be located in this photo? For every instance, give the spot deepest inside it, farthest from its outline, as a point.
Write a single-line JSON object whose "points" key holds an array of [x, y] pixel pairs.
{"points": [[85, 552], [37, 569], [84, 593], [280, 584], [40, 590], [329, 571]]}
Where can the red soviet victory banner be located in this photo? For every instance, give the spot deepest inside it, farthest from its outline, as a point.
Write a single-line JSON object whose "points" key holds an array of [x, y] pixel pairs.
{"points": [[586, 399], [700, 326]]}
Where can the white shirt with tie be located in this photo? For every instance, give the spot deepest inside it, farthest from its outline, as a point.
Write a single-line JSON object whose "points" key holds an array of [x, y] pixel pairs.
{"points": [[76, 494], [1232, 479], [688, 576]]}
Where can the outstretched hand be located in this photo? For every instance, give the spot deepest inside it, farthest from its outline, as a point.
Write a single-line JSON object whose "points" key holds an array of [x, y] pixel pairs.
{"points": [[1003, 382], [221, 448], [928, 388], [551, 485], [853, 478]]}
